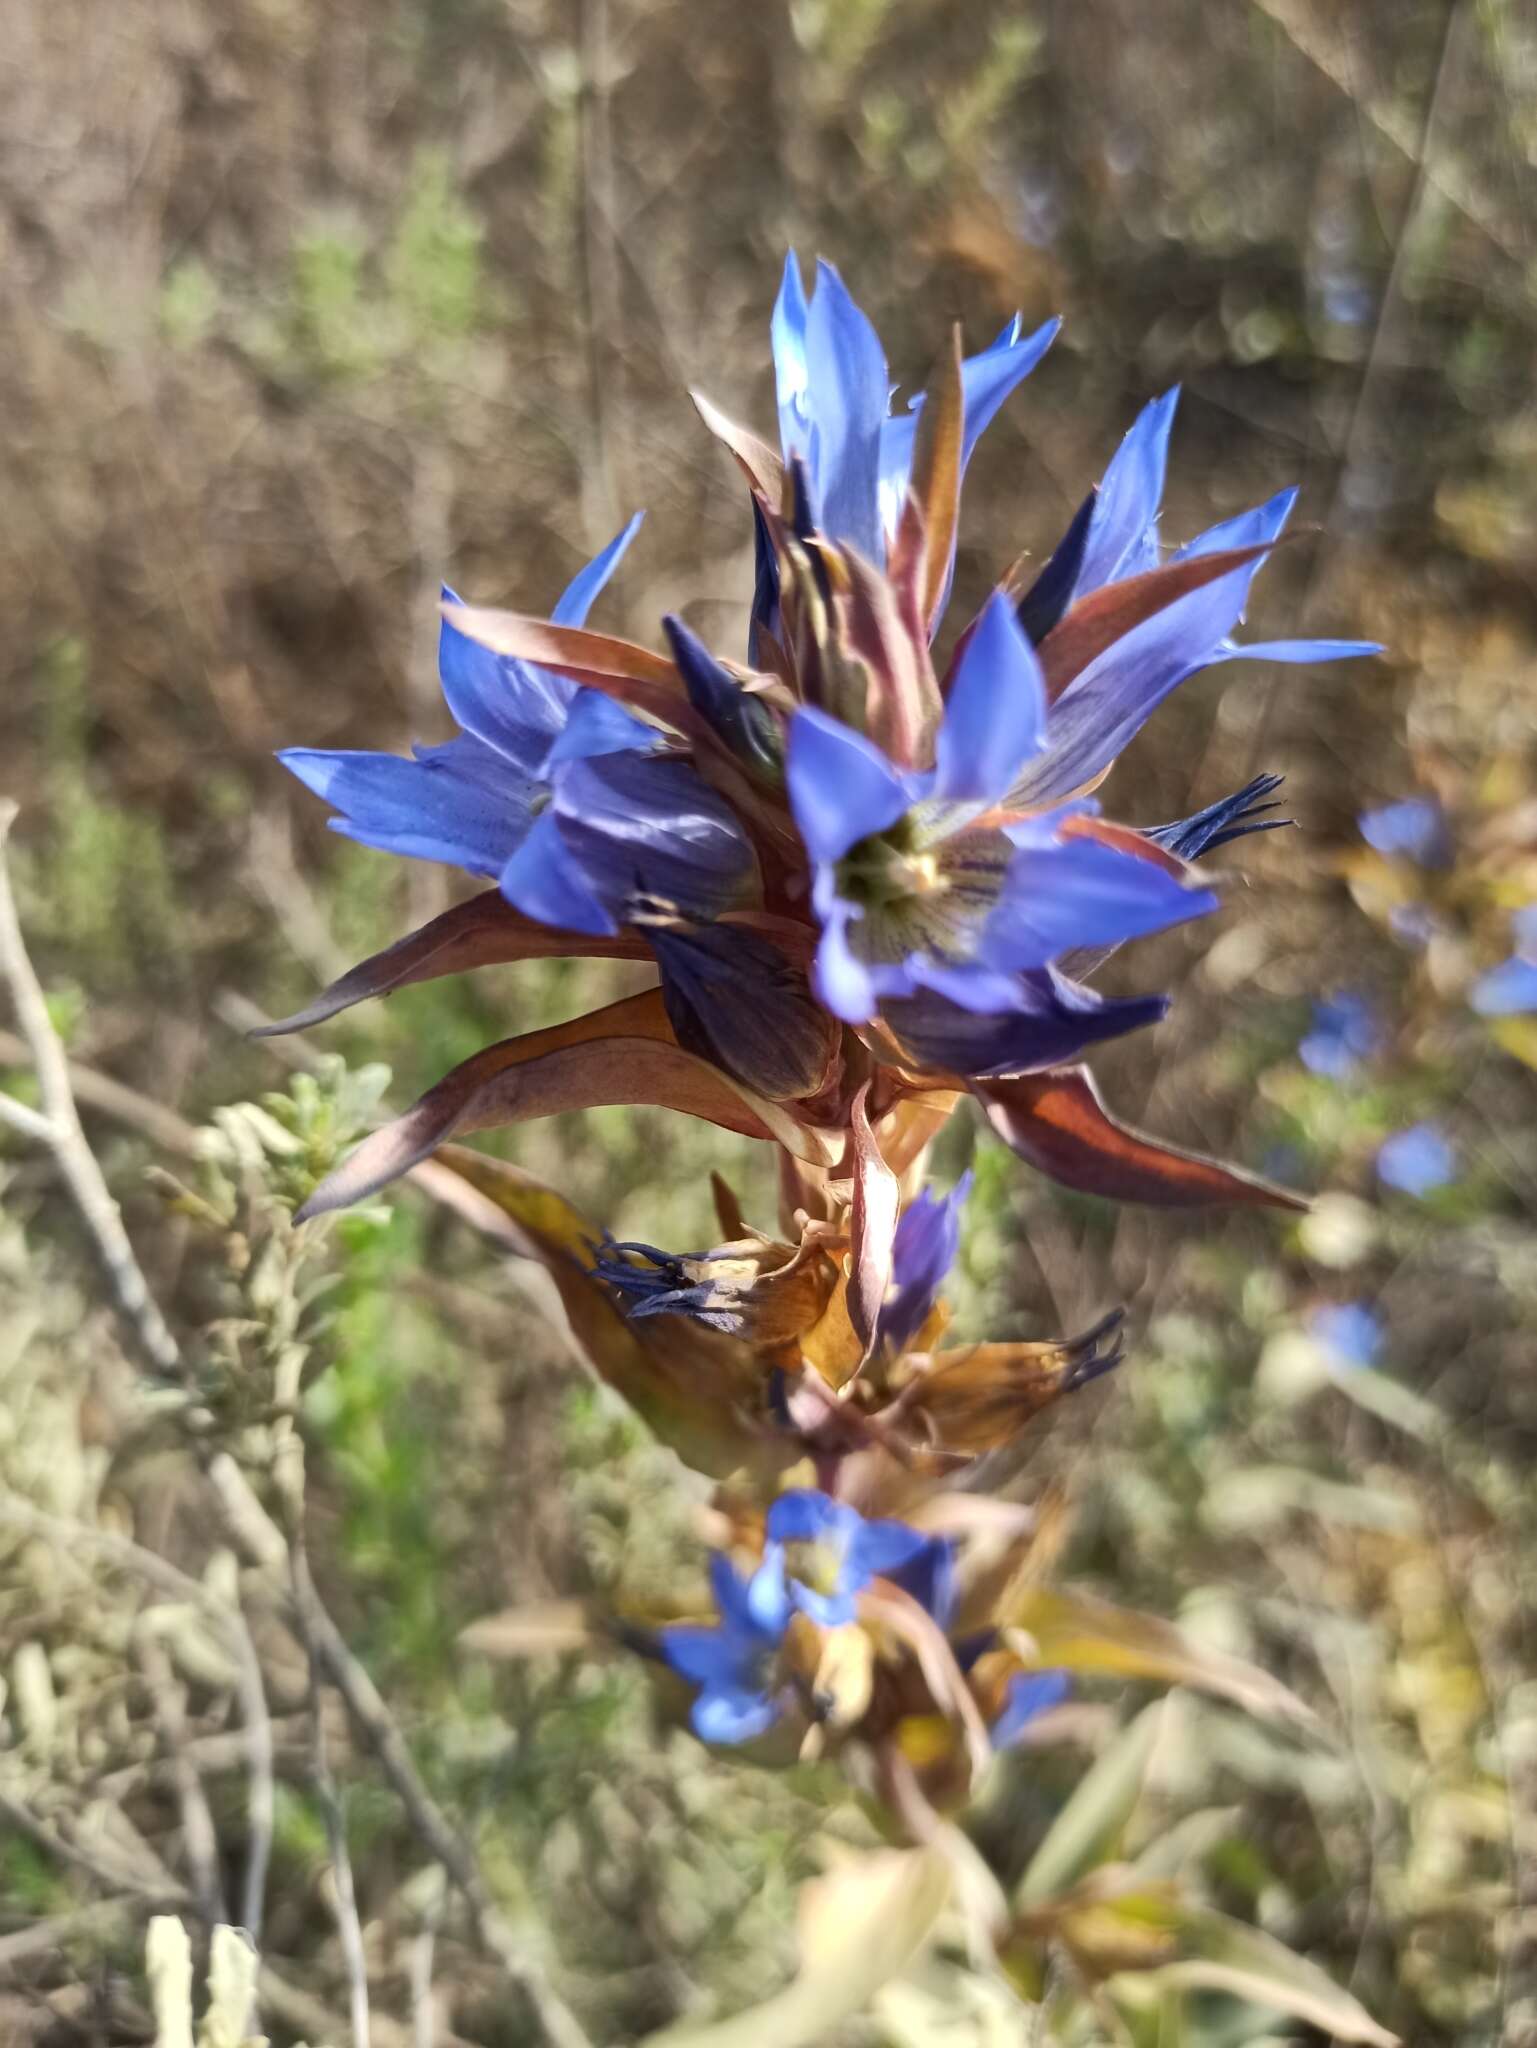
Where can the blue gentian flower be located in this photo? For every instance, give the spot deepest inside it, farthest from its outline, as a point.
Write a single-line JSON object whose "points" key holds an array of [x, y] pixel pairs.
{"points": [[1345, 1032], [1029, 1695], [1349, 1331], [733, 1665], [1417, 1161], [555, 791], [928, 1236], [834, 395], [913, 893], [833, 1553], [1510, 990], [1414, 829]]}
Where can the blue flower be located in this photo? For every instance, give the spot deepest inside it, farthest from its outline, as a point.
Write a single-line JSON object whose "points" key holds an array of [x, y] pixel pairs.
{"points": [[1417, 1161], [913, 893], [1345, 1032], [1029, 1695], [553, 790], [923, 1250], [1414, 829], [1510, 990], [1349, 1331], [733, 1665], [834, 394], [833, 1553]]}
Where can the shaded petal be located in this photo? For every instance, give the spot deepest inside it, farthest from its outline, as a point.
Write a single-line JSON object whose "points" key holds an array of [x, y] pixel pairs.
{"points": [[842, 787], [1231, 817], [733, 1716], [1058, 1123], [649, 826], [461, 802], [513, 708], [1054, 1020], [929, 1575], [883, 1550], [705, 1656], [1044, 603], [543, 881], [995, 712], [742, 721], [847, 391], [734, 998]]}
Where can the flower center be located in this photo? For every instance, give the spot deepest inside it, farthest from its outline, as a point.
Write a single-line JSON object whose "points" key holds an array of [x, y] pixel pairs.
{"points": [[889, 868], [818, 1566]]}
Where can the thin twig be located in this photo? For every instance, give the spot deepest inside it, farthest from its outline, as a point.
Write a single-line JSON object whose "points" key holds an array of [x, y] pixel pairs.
{"points": [[59, 1129], [162, 1126], [200, 1838]]}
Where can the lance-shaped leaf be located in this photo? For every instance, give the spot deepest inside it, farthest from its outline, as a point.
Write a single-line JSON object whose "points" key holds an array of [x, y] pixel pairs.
{"points": [[759, 463], [1077, 1632], [1091, 1825], [872, 1224], [1057, 1122], [925, 541], [698, 1391], [979, 1397], [484, 932], [625, 1053], [860, 1926], [1106, 615], [631, 675]]}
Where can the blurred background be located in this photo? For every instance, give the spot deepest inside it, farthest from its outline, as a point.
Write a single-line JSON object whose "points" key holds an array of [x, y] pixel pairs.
{"points": [[306, 309]]}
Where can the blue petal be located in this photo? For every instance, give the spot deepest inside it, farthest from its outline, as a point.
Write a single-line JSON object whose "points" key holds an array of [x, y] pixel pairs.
{"points": [[828, 1610], [787, 336], [1509, 990], [1244, 530], [923, 1250], [1349, 1331], [1123, 529], [841, 980], [737, 1000], [1302, 650], [1414, 829], [733, 1716], [544, 882], [1104, 707], [995, 716], [847, 391], [1056, 1019], [461, 802], [577, 598], [513, 707], [642, 825], [1417, 1161], [1030, 1693], [881, 1549], [929, 1575], [742, 720], [704, 1656], [988, 379], [597, 725], [1080, 893], [803, 1515], [1049, 596], [842, 787], [768, 1599], [1523, 924]]}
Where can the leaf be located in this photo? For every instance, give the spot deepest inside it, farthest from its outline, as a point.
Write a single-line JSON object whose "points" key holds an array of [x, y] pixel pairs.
{"points": [[761, 464], [935, 490], [1088, 1830], [632, 675], [1225, 1955], [1080, 1633], [1106, 615], [624, 1053], [872, 1225], [484, 932], [1057, 1122], [860, 1926]]}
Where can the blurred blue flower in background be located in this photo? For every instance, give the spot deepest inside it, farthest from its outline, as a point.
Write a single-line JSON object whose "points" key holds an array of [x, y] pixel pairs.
{"points": [[834, 1553], [1349, 1331], [1029, 1696], [1414, 829], [1345, 1032], [1417, 1161], [1510, 989]]}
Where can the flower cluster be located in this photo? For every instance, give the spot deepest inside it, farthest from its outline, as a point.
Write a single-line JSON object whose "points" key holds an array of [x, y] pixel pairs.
{"points": [[871, 883]]}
